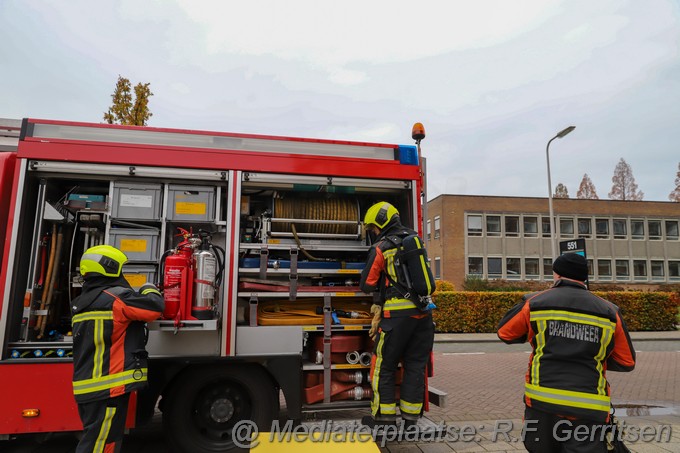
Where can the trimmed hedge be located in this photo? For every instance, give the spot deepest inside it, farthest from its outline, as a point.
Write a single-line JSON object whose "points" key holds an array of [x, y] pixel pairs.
{"points": [[480, 312]]}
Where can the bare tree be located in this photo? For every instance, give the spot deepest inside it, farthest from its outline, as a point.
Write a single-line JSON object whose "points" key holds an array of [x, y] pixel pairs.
{"points": [[624, 187], [587, 189], [675, 195], [124, 109], [561, 191]]}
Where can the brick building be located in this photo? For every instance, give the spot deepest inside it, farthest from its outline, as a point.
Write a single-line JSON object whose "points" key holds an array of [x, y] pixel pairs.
{"points": [[627, 242]]}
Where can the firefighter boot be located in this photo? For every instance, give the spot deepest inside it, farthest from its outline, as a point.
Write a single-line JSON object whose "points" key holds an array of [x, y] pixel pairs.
{"points": [[379, 426], [410, 426]]}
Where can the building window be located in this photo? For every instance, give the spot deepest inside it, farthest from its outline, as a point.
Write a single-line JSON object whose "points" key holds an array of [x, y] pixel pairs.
{"points": [[602, 228], [429, 230], [511, 225], [590, 268], [495, 266], [531, 226], [674, 270], [622, 270], [637, 229], [566, 227], [437, 268], [657, 270], [547, 269], [585, 228], [474, 225], [671, 230], [604, 269], [654, 228], [437, 227], [493, 225], [620, 231], [545, 226], [513, 267], [475, 265], [640, 269], [531, 268]]}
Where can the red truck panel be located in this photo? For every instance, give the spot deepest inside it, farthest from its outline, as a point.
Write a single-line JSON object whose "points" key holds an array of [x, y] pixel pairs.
{"points": [[44, 386], [7, 161]]}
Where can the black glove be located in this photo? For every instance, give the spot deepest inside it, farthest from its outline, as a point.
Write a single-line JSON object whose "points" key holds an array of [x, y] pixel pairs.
{"points": [[149, 288]]}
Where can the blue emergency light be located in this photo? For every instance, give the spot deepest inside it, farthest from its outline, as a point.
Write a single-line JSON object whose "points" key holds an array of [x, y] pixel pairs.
{"points": [[408, 155]]}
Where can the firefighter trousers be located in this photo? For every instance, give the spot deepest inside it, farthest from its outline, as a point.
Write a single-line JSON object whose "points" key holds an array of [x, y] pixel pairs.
{"points": [[103, 425], [407, 340], [548, 433]]}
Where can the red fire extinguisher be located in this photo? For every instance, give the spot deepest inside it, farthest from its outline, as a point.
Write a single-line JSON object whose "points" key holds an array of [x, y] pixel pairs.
{"points": [[178, 279], [191, 275]]}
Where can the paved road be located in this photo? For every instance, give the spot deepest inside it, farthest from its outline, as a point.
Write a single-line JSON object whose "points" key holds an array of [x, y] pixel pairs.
{"points": [[484, 382]]}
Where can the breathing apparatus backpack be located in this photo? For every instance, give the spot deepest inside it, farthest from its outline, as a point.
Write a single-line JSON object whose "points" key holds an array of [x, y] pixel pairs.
{"points": [[411, 259]]}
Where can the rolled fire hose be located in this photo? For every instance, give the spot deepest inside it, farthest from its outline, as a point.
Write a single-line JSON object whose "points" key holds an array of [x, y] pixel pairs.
{"points": [[365, 358], [357, 394], [353, 357], [285, 313]]}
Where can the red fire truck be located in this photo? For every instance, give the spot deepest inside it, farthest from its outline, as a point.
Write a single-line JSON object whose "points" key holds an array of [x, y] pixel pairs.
{"points": [[257, 242]]}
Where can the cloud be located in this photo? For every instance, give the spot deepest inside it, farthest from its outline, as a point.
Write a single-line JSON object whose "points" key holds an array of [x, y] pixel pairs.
{"points": [[491, 80], [335, 34]]}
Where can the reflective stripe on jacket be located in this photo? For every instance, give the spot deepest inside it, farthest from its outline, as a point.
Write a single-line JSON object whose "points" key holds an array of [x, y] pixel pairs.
{"points": [[108, 342], [576, 336]]}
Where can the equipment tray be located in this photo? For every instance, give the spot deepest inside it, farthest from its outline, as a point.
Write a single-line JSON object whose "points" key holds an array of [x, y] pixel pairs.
{"points": [[285, 264]]}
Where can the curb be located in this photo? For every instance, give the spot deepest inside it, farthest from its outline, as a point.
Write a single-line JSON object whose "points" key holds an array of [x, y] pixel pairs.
{"points": [[468, 340]]}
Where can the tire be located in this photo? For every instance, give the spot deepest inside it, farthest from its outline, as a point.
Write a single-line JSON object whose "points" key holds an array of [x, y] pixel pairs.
{"points": [[203, 406]]}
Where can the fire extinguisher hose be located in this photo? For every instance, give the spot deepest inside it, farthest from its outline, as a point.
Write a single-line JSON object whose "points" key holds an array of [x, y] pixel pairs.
{"points": [[285, 313]]}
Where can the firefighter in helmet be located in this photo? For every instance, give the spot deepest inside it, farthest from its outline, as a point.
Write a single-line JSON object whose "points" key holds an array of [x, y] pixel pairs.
{"points": [[109, 360], [402, 332]]}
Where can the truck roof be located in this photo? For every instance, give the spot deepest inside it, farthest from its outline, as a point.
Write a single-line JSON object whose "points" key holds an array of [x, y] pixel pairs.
{"points": [[149, 146]]}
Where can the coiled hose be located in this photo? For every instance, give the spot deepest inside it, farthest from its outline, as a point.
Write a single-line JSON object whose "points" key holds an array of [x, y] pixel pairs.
{"points": [[299, 313]]}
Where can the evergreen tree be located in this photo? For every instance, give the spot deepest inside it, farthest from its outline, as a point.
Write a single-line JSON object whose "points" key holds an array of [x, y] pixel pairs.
{"points": [[675, 195], [124, 109], [624, 187], [561, 191], [587, 189]]}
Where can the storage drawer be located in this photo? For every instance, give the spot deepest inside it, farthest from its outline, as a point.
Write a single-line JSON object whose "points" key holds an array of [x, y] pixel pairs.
{"points": [[191, 203], [138, 275], [136, 201], [137, 244]]}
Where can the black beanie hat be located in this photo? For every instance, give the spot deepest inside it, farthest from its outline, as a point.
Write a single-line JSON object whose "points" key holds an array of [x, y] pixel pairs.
{"points": [[571, 265]]}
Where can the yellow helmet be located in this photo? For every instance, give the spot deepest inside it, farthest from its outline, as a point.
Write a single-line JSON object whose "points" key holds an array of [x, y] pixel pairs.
{"points": [[380, 214], [104, 260]]}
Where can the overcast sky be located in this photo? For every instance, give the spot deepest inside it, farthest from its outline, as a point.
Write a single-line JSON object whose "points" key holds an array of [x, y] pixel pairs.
{"points": [[491, 80]]}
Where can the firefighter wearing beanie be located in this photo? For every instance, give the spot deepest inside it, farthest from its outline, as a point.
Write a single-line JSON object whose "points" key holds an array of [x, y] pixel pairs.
{"points": [[576, 338]]}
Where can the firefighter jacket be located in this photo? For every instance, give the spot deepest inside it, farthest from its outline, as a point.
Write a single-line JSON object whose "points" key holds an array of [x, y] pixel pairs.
{"points": [[380, 262], [576, 337], [109, 359]]}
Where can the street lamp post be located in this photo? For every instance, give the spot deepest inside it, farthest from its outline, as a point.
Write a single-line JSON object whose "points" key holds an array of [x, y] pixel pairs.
{"points": [[560, 134]]}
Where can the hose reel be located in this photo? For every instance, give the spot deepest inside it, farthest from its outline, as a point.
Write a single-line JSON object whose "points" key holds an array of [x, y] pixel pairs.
{"points": [[318, 217]]}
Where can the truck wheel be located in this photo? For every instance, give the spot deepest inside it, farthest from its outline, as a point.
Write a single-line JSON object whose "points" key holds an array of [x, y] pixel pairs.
{"points": [[204, 405]]}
